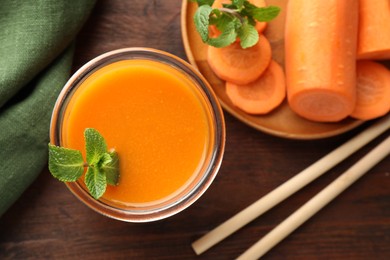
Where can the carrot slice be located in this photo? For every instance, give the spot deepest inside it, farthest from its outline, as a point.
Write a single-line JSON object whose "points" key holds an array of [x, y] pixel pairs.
{"points": [[373, 90], [261, 96], [260, 26], [320, 58], [374, 29], [238, 65]]}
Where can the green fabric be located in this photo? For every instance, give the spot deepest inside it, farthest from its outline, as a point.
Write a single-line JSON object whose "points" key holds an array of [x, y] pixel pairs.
{"points": [[35, 60]]}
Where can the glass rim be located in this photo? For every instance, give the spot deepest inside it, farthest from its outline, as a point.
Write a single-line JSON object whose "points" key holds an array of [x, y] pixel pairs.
{"points": [[147, 214]]}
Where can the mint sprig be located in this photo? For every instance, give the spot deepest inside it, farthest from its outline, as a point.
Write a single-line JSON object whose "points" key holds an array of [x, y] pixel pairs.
{"points": [[102, 166], [234, 20]]}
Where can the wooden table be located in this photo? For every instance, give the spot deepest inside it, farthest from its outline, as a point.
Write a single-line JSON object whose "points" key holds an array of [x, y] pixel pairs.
{"points": [[48, 222]]}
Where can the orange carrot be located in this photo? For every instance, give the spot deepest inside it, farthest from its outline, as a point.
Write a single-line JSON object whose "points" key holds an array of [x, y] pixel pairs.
{"points": [[373, 90], [238, 65], [260, 26], [320, 52], [261, 96], [374, 29]]}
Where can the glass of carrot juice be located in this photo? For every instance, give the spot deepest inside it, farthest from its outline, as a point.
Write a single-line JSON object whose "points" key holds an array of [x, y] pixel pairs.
{"points": [[162, 118]]}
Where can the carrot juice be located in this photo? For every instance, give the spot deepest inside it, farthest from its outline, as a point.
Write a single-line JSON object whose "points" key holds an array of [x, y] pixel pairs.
{"points": [[161, 124]]}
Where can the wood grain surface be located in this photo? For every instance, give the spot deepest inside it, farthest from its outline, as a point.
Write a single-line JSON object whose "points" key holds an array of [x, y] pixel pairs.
{"points": [[48, 222]]}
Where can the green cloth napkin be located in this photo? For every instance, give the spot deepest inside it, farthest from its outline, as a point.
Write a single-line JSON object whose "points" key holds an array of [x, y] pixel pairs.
{"points": [[35, 61]]}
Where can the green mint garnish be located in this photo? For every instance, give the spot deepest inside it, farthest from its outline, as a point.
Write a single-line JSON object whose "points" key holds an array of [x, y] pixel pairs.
{"points": [[248, 35], [96, 181], [65, 164], [202, 20], [111, 167], [95, 146], [102, 166], [234, 20]]}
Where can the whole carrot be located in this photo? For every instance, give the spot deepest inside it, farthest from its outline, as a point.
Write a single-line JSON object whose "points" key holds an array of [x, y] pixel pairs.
{"points": [[320, 40]]}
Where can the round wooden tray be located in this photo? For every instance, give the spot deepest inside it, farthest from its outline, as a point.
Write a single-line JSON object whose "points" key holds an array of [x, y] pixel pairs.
{"points": [[282, 122]]}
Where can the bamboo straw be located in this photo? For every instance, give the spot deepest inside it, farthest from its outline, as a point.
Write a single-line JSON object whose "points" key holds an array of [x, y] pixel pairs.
{"points": [[318, 202], [290, 187]]}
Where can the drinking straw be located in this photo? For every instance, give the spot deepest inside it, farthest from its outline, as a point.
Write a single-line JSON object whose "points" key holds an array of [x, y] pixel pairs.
{"points": [[318, 202], [290, 187]]}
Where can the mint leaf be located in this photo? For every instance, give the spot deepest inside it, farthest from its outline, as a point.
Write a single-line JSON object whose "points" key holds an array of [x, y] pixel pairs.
{"points": [[95, 146], [104, 160], [223, 21], [238, 3], [65, 164], [95, 180], [227, 37], [201, 20], [110, 166], [248, 35], [266, 14]]}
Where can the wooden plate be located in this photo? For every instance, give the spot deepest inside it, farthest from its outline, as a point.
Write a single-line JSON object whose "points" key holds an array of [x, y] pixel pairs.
{"points": [[282, 122]]}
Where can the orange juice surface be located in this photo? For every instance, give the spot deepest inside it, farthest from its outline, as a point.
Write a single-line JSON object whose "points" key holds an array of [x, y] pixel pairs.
{"points": [[152, 116]]}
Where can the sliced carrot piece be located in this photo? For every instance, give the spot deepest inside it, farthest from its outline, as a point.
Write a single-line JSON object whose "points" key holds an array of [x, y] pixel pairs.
{"points": [[238, 65], [373, 90], [262, 95], [374, 29], [320, 58], [260, 26]]}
